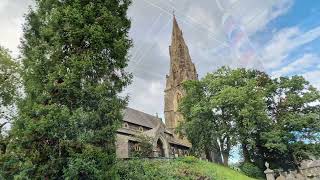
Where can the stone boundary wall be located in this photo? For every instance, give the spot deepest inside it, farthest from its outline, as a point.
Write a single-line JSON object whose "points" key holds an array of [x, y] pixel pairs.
{"points": [[309, 169]]}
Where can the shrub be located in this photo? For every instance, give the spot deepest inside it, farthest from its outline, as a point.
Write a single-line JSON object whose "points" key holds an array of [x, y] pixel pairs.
{"points": [[189, 159], [251, 170], [146, 147]]}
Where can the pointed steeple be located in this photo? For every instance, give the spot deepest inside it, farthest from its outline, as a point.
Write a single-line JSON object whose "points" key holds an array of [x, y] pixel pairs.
{"points": [[176, 37], [181, 69], [180, 60], [175, 28]]}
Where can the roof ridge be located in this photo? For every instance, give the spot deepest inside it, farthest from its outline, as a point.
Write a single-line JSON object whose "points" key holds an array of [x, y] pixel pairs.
{"points": [[143, 113]]}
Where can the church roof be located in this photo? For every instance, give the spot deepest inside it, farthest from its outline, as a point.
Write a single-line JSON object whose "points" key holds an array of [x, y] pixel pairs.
{"points": [[140, 118], [143, 119]]}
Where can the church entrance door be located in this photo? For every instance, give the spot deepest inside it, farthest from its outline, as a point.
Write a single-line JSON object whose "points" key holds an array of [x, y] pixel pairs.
{"points": [[160, 148]]}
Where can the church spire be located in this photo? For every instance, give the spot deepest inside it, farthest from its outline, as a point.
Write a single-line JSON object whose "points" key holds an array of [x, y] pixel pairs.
{"points": [[175, 30], [181, 69], [180, 60]]}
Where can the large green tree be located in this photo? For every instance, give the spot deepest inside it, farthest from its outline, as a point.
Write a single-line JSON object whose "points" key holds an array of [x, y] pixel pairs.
{"points": [[74, 56], [293, 106], [275, 120], [224, 108]]}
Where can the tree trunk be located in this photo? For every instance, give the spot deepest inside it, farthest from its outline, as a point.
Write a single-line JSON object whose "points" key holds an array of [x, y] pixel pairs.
{"points": [[226, 147], [245, 152], [208, 155], [217, 156], [225, 158]]}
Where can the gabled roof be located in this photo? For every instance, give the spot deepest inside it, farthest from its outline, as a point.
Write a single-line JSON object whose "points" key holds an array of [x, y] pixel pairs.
{"points": [[140, 118]]}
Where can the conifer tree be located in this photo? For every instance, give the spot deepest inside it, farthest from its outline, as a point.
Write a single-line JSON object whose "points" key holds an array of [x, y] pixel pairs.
{"points": [[74, 55], [8, 93]]}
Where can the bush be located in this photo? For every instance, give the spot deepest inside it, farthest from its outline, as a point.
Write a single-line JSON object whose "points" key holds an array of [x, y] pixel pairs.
{"points": [[131, 170], [189, 159], [146, 147], [251, 170]]}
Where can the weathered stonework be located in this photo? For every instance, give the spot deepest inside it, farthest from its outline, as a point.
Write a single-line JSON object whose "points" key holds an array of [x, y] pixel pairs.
{"points": [[165, 142], [181, 69], [309, 169]]}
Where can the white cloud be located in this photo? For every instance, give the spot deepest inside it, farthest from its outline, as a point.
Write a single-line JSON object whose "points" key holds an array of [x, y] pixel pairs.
{"points": [[300, 65], [146, 96], [11, 19], [284, 42], [201, 22], [3, 4], [313, 78], [263, 13]]}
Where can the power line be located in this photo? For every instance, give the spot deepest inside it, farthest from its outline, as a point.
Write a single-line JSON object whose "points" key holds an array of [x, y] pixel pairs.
{"points": [[148, 50], [192, 25], [135, 55]]}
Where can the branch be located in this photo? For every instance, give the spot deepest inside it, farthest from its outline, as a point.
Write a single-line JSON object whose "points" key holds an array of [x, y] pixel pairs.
{"points": [[3, 124]]}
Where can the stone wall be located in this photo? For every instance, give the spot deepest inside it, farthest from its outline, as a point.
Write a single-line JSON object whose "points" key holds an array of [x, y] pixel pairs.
{"points": [[309, 169]]}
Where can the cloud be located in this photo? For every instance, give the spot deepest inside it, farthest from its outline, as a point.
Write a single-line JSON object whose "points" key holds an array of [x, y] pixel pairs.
{"points": [[11, 18], [313, 77], [266, 12], [3, 4], [201, 23], [285, 42], [300, 65]]}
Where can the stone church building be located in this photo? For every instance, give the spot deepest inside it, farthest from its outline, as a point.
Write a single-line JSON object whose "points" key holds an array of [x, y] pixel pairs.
{"points": [[135, 123]]}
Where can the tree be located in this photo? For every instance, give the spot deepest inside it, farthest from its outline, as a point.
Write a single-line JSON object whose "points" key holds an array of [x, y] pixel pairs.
{"points": [[274, 120], [199, 125], [74, 56], [294, 134], [8, 83], [8, 92], [228, 104]]}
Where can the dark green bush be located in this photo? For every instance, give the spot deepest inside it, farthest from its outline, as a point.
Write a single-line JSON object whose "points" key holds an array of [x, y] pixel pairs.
{"points": [[251, 170]]}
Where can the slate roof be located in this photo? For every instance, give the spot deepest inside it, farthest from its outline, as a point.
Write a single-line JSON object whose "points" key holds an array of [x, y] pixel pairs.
{"points": [[143, 119], [140, 118]]}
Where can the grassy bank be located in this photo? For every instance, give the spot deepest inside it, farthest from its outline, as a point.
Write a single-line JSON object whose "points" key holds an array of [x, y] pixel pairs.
{"points": [[183, 168]]}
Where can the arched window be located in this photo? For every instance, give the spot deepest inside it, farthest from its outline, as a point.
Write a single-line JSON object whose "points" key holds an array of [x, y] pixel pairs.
{"points": [[141, 129], [137, 147]]}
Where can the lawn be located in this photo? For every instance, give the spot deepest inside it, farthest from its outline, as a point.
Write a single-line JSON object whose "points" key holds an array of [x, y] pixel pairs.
{"points": [[183, 168]]}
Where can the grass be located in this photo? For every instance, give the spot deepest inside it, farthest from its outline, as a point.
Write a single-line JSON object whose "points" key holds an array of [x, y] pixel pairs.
{"points": [[187, 168]]}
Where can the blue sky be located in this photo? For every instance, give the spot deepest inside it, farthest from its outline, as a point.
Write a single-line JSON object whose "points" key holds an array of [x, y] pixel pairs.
{"points": [[302, 18]]}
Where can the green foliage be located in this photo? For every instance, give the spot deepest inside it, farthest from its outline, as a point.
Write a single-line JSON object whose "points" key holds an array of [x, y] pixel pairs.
{"points": [[226, 107], [188, 159], [146, 147], [8, 79], [252, 170], [9, 82], [294, 133], [74, 60], [183, 168], [274, 120]]}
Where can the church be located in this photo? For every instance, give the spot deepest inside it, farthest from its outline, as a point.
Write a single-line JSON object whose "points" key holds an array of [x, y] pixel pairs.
{"points": [[166, 143]]}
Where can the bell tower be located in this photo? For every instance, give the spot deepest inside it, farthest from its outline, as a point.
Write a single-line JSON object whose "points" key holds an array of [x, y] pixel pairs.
{"points": [[181, 69]]}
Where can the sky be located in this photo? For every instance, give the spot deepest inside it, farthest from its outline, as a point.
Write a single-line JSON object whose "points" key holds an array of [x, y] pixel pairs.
{"points": [[280, 37]]}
